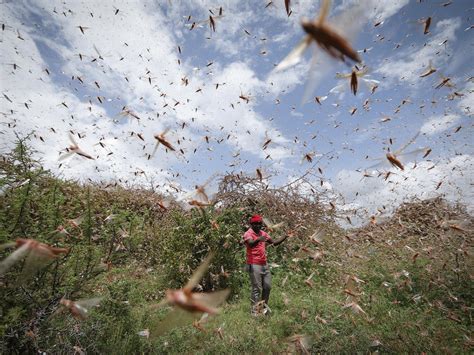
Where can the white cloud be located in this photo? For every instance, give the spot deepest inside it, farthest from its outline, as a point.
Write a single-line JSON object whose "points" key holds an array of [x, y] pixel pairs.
{"points": [[438, 124], [450, 178], [140, 43], [466, 103], [408, 64], [382, 10], [286, 81], [137, 44], [349, 19]]}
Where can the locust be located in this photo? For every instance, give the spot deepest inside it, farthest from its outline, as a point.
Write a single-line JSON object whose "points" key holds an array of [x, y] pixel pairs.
{"points": [[74, 149], [325, 37], [37, 255], [192, 303], [161, 139]]}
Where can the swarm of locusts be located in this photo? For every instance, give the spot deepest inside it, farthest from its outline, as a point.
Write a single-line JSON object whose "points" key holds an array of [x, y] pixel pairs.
{"points": [[32, 256]]}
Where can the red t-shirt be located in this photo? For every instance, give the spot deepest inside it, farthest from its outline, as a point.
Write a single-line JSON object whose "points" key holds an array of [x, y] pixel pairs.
{"points": [[256, 255]]}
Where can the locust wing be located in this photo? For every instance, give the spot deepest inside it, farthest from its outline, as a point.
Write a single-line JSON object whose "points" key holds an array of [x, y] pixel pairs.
{"points": [[295, 55], [199, 273], [17, 255]]}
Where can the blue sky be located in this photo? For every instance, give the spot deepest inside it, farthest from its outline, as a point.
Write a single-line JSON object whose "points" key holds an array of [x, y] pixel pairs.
{"points": [[141, 68]]}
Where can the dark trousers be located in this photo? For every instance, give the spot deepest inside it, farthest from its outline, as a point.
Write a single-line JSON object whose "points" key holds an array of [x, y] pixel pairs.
{"points": [[261, 281]]}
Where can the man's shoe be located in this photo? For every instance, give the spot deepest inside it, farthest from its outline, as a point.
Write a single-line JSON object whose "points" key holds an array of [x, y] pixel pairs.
{"points": [[266, 310]]}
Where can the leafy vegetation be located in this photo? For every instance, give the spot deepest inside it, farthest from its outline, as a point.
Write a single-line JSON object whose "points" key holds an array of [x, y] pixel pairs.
{"points": [[410, 277]]}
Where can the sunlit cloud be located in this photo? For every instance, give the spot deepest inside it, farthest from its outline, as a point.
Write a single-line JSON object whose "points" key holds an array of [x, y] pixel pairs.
{"points": [[408, 64], [116, 79], [439, 124]]}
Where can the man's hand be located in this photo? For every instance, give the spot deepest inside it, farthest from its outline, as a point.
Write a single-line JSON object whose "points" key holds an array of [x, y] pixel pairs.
{"points": [[254, 242]]}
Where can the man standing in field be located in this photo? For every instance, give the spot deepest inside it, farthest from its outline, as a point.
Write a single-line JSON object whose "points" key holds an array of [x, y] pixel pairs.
{"points": [[260, 278]]}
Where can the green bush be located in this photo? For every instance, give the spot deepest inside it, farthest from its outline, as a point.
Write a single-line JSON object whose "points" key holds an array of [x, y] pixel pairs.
{"points": [[183, 245]]}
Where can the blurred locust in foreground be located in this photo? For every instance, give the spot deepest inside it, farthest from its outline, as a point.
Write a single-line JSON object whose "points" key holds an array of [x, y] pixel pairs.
{"points": [[333, 39], [187, 304], [80, 309], [37, 255], [325, 36]]}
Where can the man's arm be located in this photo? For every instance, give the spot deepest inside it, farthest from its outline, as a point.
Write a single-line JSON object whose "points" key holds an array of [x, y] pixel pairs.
{"points": [[253, 243], [279, 241]]}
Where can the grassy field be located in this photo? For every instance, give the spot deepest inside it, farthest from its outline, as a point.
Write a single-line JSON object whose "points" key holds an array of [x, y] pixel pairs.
{"points": [[402, 286]]}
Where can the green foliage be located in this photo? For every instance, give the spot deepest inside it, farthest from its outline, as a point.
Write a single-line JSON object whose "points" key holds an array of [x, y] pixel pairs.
{"points": [[183, 245], [127, 250]]}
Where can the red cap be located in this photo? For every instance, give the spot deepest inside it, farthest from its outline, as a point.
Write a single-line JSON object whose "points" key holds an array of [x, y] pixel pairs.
{"points": [[256, 219]]}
